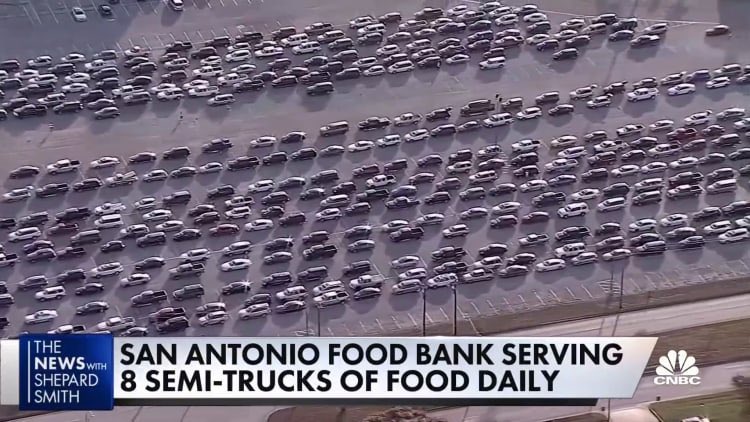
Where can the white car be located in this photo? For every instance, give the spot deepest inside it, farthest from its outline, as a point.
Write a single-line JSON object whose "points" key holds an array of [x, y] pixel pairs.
{"points": [[642, 94], [389, 140], [109, 208], [236, 265], [401, 67], [157, 216], [492, 63], [681, 89], [526, 145], [718, 227], [261, 186], [499, 119], [561, 164], [26, 233], [170, 226], [212, 167], [743, 222], [506, 19], [231, 78], [39, 317], [387, 50], [654, 167], [535, 17], [585, 194], [237, 56], [155, 176], [456, 230], [269, 52], [135, 279], [599, 101], [116, 323], [552, 264], [612, 204], [458, 59], [18, 194], [534, 185], [537, 39], [77, 77], [735, 235], [244, 68], [529, 113], [674, 220], [431, 219], [394, 225], [74, 88], [203, 91], [441, 280], [194, 83], [564, 141], [263, 142], [661, 125], [107, 269], [720, 82], [617, 254], [79, 15], [683, 163], [259, 225], [508, 207], [258, 310], [417, 135], [697, 119], [631, 129], [626, 170], [213, 318], [328, 214], [360, 146], [73, 58], [145, 203], [196, 255], [104, 162], [585, 92], [376, 70], [573, 152], [406, 261], [642, 225], [406, 119], [237, 213]]}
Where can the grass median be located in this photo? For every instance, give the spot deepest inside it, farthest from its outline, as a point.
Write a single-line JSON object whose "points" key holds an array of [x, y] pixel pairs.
{"points": [[732, 406]]}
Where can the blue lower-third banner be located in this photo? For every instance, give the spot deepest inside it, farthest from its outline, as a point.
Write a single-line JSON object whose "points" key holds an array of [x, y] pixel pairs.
{"points": [[64, 372]]}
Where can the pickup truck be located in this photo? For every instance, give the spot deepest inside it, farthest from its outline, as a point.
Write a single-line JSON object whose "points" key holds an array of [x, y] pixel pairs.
{"points": [[63, 166], [8, 260], [121, 179]]}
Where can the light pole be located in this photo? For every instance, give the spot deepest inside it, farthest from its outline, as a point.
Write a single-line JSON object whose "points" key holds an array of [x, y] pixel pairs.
{"points": [[455, 309], [318, 331], [307, 322], [424, 311], [622, 283]]}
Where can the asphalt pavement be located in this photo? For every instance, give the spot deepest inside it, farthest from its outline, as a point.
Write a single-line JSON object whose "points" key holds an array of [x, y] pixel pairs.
{"points": [[713, 379], [157, 127]]}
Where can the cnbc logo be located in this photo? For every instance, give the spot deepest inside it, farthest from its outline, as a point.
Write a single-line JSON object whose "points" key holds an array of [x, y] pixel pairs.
{"points": [[677, 368]]}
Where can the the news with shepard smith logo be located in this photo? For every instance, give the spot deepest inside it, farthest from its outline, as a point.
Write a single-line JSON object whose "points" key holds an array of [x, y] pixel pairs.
{"points": [[66, 372]]}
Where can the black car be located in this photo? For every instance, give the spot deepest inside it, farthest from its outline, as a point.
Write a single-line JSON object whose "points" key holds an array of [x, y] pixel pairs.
{"points": [[87, 185], [217, 145], [92, 308], [70, 276], [221, 192], [149, 263], [23, 172], [52, 189], [236, 287], [241, 163], [71, 252], [279, 244], [89, 289], [30, 110], [439, 114], [407, 233], [173, 325], [112, 246], [187, 234]]}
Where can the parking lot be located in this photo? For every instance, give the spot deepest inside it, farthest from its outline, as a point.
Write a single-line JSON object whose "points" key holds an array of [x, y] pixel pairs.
{"points": [[528, 73]]}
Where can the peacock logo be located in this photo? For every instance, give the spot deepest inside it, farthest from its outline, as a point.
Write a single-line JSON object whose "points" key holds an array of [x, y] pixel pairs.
{"points": [[677, 367]]}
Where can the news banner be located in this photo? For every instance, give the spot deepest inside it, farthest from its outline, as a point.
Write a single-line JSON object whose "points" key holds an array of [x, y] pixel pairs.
{"points": [[98, 371]]}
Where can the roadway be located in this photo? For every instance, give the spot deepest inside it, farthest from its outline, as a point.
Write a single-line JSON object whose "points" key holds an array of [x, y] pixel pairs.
{"points": [[268, 113], [713, 379]]}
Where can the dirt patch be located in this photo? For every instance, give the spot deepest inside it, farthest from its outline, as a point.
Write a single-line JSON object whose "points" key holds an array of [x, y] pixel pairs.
{"points": [[511, 321], [731, 406], [710, 344], [350, 414]]}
